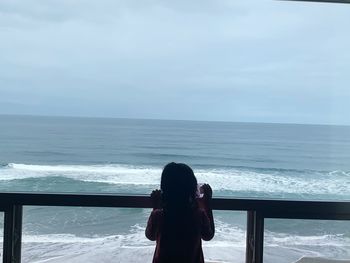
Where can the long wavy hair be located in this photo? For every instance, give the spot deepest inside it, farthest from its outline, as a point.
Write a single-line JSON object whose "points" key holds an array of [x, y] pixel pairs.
{"points": [[179, 187]]}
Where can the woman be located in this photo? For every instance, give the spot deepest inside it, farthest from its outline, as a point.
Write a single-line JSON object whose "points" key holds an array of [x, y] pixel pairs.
{"points": [[180, 219]]}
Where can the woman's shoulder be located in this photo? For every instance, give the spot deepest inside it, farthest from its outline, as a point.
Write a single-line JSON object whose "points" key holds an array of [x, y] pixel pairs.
{"points": [[157, 212], [198, 212]]}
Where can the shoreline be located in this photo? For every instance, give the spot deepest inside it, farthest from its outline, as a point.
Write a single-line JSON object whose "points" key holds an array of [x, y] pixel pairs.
{"points": [[321, 260]]}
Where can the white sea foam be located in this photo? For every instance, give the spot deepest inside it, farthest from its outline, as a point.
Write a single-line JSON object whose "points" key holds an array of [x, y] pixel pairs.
{"points": [[113, 174], [236, 180], [130, 247], [279, 239], [277, 245]]}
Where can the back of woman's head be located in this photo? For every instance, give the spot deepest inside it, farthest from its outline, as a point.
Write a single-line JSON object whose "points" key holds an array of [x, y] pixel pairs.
{"points": [[178, 185]]}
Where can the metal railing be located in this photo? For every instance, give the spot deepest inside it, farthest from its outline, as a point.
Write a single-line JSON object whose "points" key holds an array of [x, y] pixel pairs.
{"points": [[257, 210]]}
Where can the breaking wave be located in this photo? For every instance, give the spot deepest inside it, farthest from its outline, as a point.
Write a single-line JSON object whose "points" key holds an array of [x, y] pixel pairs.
{"points": [[269, 182]]}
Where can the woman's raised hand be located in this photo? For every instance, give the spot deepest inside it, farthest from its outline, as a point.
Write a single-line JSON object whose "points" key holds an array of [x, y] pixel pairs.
{"points": [[205, 201], [208, 193], [156, 199]]}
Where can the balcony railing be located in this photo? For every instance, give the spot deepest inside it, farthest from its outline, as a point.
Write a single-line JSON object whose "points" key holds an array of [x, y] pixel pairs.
{"points": [[257, 210]]}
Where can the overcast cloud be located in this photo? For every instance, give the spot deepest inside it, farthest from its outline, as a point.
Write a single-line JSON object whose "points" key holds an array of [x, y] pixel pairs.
{"points": [[260, 61]]}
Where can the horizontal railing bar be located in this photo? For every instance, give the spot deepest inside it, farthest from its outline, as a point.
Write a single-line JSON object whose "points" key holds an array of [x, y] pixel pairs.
{"points": [[269, 208], [306, 216], [71, 199]]}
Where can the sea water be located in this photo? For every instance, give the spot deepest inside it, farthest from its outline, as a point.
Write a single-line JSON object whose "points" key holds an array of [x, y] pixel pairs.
{"points": [[96, 155]]}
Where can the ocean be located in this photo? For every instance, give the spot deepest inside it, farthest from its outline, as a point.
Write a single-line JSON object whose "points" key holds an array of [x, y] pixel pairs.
{"points": [[97, 155]]}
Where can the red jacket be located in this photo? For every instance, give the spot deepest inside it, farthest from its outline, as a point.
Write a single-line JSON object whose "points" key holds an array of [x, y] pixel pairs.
{"points": [[178, 235]]}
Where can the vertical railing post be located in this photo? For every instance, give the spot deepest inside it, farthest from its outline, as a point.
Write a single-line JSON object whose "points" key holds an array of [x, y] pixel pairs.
{"points": [[258, 237], [12, 234], [255, 237], [250, 237], [7, 242]]}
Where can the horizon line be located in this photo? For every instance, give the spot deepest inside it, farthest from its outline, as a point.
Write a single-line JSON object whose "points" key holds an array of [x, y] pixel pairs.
{"points": [[161, 119]]}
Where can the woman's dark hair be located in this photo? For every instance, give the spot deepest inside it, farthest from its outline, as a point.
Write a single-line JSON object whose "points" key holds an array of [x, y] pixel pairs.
{"points": [[178, 185]]}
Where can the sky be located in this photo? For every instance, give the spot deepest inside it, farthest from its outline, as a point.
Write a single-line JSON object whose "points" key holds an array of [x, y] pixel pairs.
{"points": [[219, 60]]}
